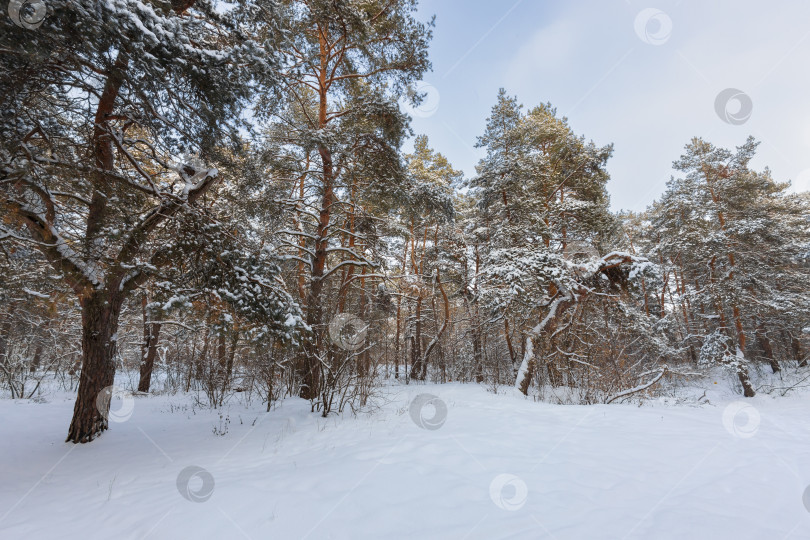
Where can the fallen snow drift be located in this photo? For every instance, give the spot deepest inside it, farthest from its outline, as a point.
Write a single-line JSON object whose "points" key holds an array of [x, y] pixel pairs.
{"points": [[499, 466]]}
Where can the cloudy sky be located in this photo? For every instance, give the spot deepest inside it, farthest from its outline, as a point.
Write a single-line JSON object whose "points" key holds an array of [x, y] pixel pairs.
{"points": [[644, 77]]}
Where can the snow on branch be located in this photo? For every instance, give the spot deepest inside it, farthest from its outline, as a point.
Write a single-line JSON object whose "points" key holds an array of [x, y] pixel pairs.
{"points": [[639, 388]]}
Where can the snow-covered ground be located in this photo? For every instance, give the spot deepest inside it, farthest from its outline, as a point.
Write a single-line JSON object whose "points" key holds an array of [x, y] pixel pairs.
{"points": [[497, 466]]}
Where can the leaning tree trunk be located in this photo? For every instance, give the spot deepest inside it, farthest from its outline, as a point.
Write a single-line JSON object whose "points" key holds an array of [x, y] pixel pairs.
{"points": [[740, 366], [529, 364], [528, 368], [100, 313], [508, 336]]}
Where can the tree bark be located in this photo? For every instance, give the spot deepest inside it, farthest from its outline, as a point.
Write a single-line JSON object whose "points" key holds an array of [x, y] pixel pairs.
{"points": [[151, 333], [506, 333], [231, 356], [478, 353], [399, 314], [37, 358], [798, 354], [5, 332], [100, 312], [745, 381], [765, 345], [309, 367], [416, 349], [101, 307], [423, 362], [529, 366]]}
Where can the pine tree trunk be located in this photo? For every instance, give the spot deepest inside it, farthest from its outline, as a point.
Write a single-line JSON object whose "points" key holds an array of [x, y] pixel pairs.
{"points": [[506, 333], [202, 361], [442, 364], [529, 364], [151, 332], [231, 356], [37, 358], [399, 315], [554, 375], [527, 367], [748, 388], [478, 355], [302, 240], [798, 355], [309, 368], [5, 332], [397, 338], [100, 313], [476, 330], [221, 351], [226, 369], [100, 307], [742, 374], [765, 345], [309, 365], [416, 349]]}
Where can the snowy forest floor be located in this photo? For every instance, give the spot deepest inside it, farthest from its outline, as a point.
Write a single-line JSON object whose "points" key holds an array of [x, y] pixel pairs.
{"points": [[500, 466]]}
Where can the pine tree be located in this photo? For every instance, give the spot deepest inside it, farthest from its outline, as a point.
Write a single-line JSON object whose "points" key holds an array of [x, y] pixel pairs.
{"points": [[734, 242], [540, 188], [428, 207], [99, 107], [347, 64]]}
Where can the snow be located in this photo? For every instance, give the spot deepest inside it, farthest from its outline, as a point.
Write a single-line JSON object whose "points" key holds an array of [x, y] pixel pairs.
{"points": [[35, 293], [524, 364], [89, 270], [499, 466]]}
